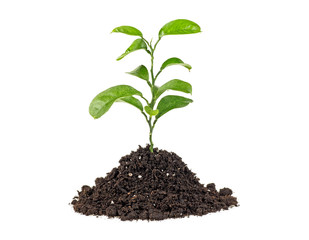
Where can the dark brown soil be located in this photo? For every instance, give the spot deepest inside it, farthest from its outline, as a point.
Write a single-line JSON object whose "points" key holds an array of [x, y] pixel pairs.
{"points": [[151, 186]]}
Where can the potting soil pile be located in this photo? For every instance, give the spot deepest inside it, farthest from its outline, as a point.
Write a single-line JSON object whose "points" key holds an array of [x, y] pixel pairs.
{"points": [[151, 186]]}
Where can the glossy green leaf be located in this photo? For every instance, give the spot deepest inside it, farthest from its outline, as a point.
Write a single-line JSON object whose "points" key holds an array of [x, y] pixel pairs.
{"points": [[136, 45], [171, 102], [133, 101], [175, 61], [150, 111], [104, 100], [179, 26], [141, 72], [128, 30], [175, 84]]}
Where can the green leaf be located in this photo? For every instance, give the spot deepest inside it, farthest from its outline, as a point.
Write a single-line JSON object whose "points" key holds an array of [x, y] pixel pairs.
{"points": [[136, 45], [150, 111], [104, 100], [179, 26], [175, 61], [170, 102], [133, 101], [128, 30], [141, 72], [175, 84]]}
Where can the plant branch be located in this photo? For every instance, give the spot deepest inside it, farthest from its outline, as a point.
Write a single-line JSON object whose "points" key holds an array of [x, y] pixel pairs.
{"points": [[145, 99], [157, 75], [154, 123], [149, 84], [154, 48], [151, 70], [145, 116], [148, 44]]}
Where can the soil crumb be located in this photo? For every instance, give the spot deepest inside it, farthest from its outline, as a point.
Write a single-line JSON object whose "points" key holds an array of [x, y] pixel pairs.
{"points": [[151, 186]]}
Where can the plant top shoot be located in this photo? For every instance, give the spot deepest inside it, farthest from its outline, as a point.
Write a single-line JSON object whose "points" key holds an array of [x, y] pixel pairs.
{"points": [[125, 93]]}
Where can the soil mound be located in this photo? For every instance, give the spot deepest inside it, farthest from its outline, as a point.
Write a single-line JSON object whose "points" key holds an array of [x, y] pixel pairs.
{"points": [[151, 186]]}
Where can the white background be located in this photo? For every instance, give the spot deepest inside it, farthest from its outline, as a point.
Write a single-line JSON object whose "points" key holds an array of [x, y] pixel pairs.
{"points": [[248, 128]]}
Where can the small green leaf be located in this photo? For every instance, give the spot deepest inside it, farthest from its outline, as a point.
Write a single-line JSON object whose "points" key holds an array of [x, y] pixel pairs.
{"points": [[104, 100], [150, 111], [175, 84], [133, 101], [175, 61], [128, 30], [179, 26], [141, 72], [170, 102], [136, 45]]}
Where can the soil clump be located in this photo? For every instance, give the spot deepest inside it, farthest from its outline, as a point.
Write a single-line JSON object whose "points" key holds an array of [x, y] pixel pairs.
{"points": [[151, 186]]}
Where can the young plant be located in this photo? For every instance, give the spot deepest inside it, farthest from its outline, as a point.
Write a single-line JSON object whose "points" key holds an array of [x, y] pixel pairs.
{"points": [[124, 93]]}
